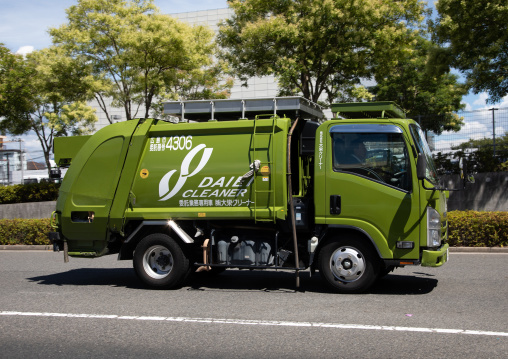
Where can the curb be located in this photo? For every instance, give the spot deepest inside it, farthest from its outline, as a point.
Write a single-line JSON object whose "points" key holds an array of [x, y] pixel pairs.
{"points": [[49, 247], [479, 249], [24, 247]]}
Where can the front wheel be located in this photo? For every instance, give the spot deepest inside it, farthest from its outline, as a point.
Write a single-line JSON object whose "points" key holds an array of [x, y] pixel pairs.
{"points": [[348, 266], [160, 262]]}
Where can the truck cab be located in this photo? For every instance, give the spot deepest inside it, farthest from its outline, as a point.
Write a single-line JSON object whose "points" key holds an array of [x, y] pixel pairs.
{"points": [[367, 186]]}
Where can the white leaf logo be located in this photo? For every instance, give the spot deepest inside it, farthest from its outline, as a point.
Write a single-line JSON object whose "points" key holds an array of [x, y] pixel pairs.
{"points": [[184, 172]]}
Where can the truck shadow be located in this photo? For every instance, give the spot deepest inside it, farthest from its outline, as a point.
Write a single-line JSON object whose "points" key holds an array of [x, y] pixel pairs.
{"points": [[234, 280], [285, 282], [119, 277]]}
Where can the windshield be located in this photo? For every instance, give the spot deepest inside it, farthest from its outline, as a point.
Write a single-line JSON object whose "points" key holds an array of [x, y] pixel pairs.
{"points": [[423, 148]]}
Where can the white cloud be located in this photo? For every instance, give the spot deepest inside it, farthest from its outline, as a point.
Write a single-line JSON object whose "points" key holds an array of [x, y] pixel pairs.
{"points": [[481, 100], [503, 103], [467, 129], [23, 50], [468, 106], [32, 144], [500, 131]]}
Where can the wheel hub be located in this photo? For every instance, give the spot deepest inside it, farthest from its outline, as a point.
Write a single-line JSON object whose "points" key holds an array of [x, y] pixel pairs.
{"points": [[347, 264], [158, 262], [162, 261]]}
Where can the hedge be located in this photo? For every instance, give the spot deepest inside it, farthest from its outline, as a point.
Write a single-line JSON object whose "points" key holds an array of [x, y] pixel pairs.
{"points": [[466, 229], [477, 229], [24, 231], [33, 192]]}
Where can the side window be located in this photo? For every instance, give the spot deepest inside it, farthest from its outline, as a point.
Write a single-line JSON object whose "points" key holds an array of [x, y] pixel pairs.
{"points": [[382, 157]]}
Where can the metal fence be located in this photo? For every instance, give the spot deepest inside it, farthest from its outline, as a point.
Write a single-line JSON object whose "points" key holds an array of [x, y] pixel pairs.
{"points": [[489, 124], [483, 140]]}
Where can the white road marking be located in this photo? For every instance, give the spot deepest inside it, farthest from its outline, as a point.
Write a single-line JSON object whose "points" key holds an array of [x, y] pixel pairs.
{"points": [[259, 322]]}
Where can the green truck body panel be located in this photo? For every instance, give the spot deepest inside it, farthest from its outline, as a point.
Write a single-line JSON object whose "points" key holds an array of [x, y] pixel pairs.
{"points": [[217, 175], [186, 172]]}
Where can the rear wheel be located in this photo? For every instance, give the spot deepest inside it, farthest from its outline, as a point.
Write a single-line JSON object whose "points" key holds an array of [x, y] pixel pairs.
{"points": [[348, 266], [160, 262]]}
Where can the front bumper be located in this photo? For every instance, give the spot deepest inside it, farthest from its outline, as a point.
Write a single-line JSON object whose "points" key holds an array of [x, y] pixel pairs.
{"points": [[435, 258]]}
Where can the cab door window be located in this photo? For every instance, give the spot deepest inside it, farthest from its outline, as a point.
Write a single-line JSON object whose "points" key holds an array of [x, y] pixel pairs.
{"points": [[376, 152]]}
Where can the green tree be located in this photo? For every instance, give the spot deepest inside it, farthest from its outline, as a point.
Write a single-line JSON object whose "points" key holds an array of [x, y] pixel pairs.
{"points": [[422, 90], [137, 55], [42, 94], [14, 85], [444, 165], [480, 153], [318, 47], [198, 84], [476, 36]]}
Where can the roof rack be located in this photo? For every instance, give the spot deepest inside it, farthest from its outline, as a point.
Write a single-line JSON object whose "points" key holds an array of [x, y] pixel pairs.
{"points": [[234, 109], [358, 110]]}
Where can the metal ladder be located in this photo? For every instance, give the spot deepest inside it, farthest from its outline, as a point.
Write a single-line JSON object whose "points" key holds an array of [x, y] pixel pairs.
{"points": [[271, 163]]}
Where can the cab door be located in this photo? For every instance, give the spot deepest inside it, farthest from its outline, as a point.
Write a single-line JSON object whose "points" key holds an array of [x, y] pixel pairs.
{"points": [[370, 187]]}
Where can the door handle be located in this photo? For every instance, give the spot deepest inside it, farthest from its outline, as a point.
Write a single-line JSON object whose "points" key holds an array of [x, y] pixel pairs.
{"points": [[335, 204]]}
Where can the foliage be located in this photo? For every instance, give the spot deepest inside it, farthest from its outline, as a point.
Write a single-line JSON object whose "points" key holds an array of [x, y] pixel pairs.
{"points": [[24, 231], [318, 47], [421, 90], [477, 35], [15, 90], [137, 54], [477, 229], [480, 155], [44, 93], [34, 192], [198, 84], [466, 229], [446, 163]]}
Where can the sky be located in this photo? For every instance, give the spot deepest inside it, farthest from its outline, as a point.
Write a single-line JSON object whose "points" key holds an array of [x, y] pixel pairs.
{"points": [[24, 23], [24, 27]]}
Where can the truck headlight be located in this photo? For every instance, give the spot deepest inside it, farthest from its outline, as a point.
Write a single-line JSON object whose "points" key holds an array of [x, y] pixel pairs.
{"points": [[433, 228]]}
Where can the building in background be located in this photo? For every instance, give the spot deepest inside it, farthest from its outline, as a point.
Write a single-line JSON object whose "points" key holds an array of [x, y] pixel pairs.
{"points": [[12, 162]]}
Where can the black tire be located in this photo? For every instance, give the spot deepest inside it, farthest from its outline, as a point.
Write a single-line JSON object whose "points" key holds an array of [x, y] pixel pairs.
{"points": [[348, 266], [160, 262]]}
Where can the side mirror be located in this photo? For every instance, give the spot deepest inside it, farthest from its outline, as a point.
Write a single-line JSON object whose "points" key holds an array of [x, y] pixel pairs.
{"points": [[421, 167]]}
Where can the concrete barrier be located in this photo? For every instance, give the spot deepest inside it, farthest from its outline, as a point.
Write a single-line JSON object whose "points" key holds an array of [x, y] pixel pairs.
{"points": [[27, 210], [488, 193]]}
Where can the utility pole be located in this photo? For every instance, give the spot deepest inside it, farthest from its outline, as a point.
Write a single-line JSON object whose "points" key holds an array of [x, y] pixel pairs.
{"points": [[8, 174], [3, 173], [494, 130], [21, 162]]}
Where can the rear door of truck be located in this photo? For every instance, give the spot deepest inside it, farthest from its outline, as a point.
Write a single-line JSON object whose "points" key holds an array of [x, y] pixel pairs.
{"points": [[90, 186]]}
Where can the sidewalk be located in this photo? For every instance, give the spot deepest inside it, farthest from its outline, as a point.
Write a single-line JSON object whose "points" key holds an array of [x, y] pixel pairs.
{"points": [[452, 249]]}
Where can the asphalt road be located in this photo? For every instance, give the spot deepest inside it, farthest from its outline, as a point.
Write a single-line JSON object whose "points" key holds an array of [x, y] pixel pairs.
{"points": [[98, 308]]}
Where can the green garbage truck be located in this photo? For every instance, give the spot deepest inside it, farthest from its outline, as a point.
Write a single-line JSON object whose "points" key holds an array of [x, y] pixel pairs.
{"points": [[262, 184]]}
